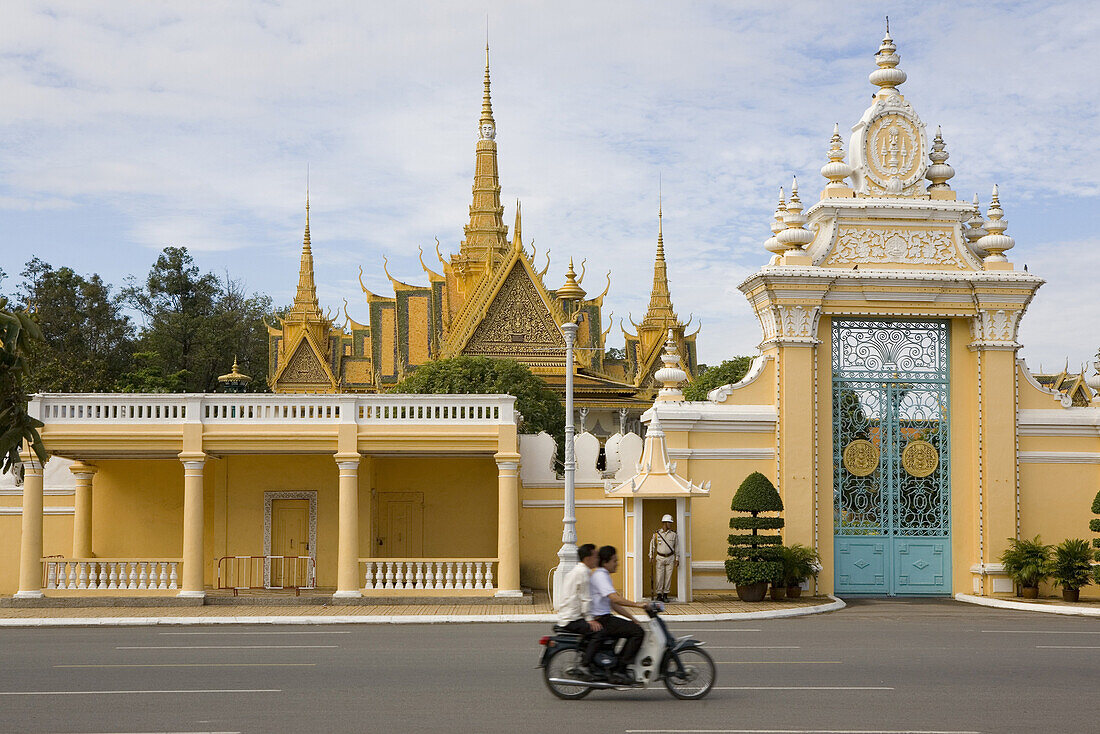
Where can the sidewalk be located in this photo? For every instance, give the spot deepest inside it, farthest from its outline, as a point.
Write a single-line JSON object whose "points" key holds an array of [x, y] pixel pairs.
{"points": [[1084, 608], [708, 608]]}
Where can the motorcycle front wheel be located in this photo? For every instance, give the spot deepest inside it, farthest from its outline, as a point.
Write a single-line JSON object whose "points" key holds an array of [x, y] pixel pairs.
{"points": [[692, 676], [565, 663]]}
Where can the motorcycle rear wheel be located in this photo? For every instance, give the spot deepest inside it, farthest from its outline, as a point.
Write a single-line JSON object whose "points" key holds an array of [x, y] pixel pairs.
{"points": [[697, 677], [565, 663]]}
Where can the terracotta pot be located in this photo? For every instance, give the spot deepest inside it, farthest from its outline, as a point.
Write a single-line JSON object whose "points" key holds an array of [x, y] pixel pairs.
{"points": [[1030, 592], [778, 593], [752, 592], [794, 592], [1072, 595]]}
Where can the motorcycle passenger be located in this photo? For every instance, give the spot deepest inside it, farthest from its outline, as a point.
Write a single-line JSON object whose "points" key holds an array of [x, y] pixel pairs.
{"points": [[604, 600], [574, 609]]}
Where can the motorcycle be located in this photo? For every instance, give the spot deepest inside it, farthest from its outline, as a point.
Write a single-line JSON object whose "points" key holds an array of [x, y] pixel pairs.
{"points": [[685, 668]]}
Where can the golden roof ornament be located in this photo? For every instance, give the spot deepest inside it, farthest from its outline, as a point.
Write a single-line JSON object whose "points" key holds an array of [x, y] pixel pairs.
{"points": [[487, 126], [996, 243], [887, 77], [235, 381], [571, 290], [836, 170], [305, 299]]}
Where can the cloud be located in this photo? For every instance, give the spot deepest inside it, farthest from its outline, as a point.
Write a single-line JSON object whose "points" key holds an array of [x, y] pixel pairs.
{"points": [[193, 124]]}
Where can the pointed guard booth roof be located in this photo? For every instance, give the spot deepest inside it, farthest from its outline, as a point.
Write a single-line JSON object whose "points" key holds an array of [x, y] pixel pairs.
{"points": [[656, 477]]}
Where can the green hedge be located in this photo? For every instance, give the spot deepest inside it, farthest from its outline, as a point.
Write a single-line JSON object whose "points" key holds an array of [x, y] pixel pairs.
{"points": [[756, 523], [755, 558]]}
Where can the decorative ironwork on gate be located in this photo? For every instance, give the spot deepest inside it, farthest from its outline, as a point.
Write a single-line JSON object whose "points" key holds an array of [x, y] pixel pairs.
{"points": [[891, 442]]}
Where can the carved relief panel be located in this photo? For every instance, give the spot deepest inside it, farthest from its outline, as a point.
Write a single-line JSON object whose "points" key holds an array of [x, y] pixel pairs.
{"points": [[517, 323]]}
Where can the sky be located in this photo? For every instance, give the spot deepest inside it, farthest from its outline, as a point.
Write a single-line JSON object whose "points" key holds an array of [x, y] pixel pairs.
{"points": [[127, 127]]}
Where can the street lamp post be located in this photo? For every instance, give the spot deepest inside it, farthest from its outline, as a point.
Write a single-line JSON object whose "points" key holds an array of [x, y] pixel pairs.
{"points": [[567, 555]]}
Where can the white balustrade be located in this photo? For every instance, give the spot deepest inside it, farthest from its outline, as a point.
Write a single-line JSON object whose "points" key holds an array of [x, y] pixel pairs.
{"points": [[110, 574], [116, 408], [448, 574]]}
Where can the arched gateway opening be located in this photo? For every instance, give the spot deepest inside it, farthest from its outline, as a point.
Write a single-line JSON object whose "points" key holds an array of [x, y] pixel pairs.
{"points": [[891, 442]]}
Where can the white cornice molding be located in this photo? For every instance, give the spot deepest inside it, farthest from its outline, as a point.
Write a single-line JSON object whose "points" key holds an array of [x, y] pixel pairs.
{"points": [[725, 453], [45, 511], [706, 416], [1059, 422], [550, 504], [759, 362]]}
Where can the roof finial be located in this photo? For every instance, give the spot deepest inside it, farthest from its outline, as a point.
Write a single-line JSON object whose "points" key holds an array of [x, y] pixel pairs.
{"points": [[836, 170], [975, 227], [887, 26], [571, 290], [887, 77], [772, 244], [795, 236], [671, 374], [305, 240], [939, 171], [487, 126], [996, 242], [660, 220]]}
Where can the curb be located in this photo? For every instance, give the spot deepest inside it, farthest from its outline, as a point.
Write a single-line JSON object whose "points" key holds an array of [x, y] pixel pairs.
{"points": [[1025, 607], [391, 619]]}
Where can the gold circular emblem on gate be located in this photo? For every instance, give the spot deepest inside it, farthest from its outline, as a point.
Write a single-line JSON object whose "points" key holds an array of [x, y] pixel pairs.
{"points": [[920, 458], [861, 457]]}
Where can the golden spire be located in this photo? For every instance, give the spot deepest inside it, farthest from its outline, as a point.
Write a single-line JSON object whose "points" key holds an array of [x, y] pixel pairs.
{"points": [[517, 235], [660, 311], [486, 235], [571, 290], [305, 300], [486, 99]]}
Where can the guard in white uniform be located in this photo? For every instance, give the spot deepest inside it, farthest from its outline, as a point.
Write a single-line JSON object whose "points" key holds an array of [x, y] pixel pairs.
{"points": [[663, 554]]}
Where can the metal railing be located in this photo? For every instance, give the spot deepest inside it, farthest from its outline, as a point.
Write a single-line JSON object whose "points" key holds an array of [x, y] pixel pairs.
{"points": [[443, 574], [109, 574], [242, 573]]}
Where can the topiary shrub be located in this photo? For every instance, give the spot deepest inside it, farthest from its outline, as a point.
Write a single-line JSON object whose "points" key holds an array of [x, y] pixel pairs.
{"points": [[754, 558], [1094, 526]]}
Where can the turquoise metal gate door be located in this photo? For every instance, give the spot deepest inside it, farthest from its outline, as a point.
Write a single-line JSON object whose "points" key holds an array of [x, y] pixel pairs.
{"points": [[891, 439]]}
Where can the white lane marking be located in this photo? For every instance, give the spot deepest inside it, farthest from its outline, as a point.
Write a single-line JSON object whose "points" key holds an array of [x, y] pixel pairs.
{"points": [[755, 647], [1044, 632], [292, 632], [803, 688], [225, 647], [794, 731], [128, 693], [1068, 647], [779, 662], [189, 665], [708, 629]]}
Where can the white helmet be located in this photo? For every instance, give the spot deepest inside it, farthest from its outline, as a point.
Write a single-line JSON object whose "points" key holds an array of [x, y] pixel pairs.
{"points": [[667, 518]]}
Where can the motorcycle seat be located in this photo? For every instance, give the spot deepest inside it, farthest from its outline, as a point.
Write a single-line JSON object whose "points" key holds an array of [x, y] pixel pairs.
{"points": [[564, 636]]}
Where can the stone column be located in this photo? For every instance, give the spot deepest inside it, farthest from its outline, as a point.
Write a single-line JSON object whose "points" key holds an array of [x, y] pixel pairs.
{"points": [[30, 543], [193, 561], [508, 525], [82, 516], [347, 567]]}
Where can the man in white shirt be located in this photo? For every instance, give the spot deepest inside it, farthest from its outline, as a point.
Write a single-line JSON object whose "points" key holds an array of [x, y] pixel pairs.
{"points": [[604, 600], [575, 599]]}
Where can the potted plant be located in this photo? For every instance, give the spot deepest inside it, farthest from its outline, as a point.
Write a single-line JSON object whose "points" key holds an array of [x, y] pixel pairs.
{"points": [[1027, 562], [754, 558], [800, 562], [1071, 567]]}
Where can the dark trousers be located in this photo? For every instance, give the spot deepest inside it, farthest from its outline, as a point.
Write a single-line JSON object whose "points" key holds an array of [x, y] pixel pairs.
{"points": [[615, 628], [578, 627]]}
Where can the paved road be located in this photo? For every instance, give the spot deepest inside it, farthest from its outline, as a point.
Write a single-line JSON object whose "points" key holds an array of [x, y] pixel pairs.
{"points": [[929, 666]]}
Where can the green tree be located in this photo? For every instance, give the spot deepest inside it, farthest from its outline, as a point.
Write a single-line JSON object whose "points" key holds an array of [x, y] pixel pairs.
{"points": [[1094, 526], [87, 339], [540, 405], [708, 378], [18, 333], [193, 326], [755, 558]]}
